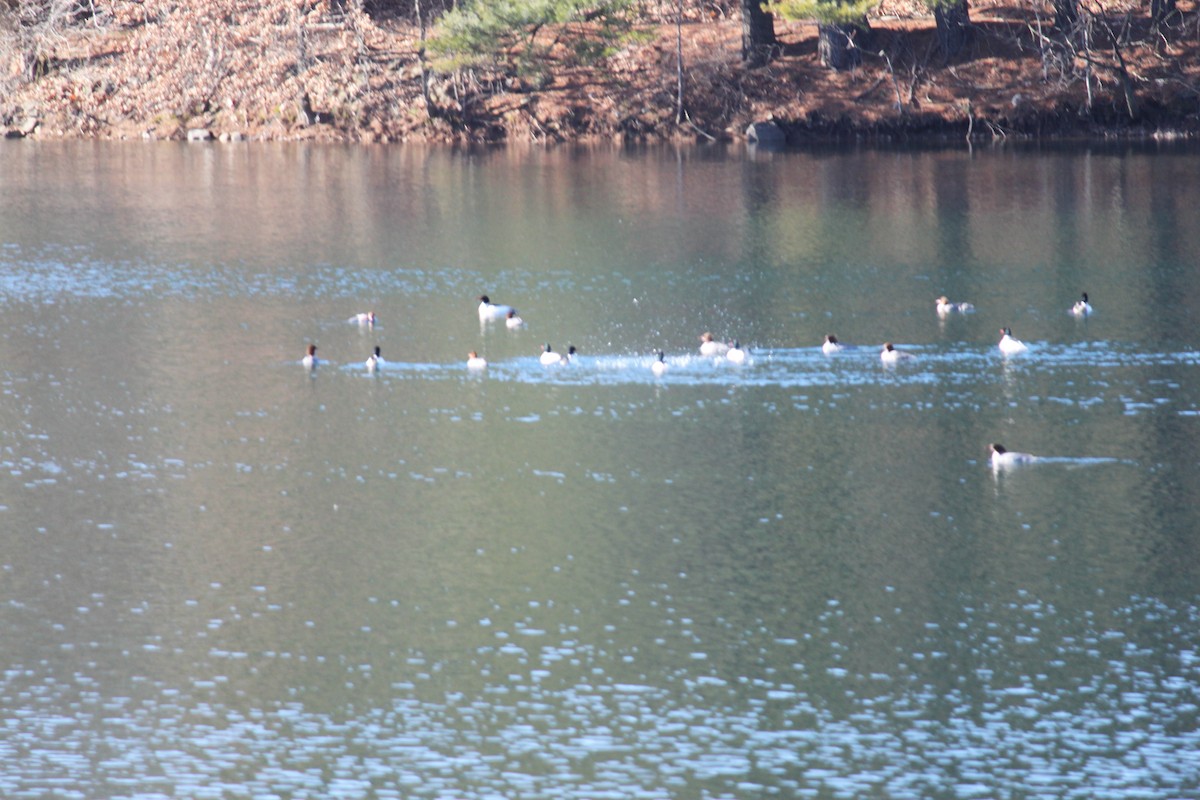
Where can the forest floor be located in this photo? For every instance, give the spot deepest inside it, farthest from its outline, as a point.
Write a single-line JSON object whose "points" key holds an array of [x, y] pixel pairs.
{"points": [[359, 80]]}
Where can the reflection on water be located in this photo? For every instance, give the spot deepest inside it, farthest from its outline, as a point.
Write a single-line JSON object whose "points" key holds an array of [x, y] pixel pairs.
{"points": [[227, 576]]}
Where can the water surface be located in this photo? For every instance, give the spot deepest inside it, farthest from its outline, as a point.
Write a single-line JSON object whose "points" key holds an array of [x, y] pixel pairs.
{"points": [[226, 576]]}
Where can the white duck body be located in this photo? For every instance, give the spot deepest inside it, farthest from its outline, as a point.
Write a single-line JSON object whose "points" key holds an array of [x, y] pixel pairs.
{"points": [[489, 311], [310, 358], [512, 320], [1009, 345], [945, 308], [831, 345], [1082, 307], [736, 354], [890, 355], [1001, 457], [659, 365], [549, 357], [374, 361], [711, 347], [475, 361]]}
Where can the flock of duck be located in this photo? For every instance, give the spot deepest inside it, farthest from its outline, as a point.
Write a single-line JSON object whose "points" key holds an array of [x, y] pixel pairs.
{"points": [[999, 455], [732, 351], [1009, 345], [494, 312]]}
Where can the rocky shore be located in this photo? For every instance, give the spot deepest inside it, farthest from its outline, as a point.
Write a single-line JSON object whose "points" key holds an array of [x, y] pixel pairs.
{"points": [[348, 77]]}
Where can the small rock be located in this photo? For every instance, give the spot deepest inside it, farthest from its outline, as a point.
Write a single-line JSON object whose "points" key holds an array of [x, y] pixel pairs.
{"points": [[199, 135], [766, 133], [22, 129]]}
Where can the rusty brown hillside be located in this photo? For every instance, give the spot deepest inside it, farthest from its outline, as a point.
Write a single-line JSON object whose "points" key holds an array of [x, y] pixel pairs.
{"points": [[349, 71]]}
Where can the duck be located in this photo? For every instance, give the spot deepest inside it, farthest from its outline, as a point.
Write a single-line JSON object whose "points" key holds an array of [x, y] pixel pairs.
{"points": [[1002, 457], [363, 318], [490, 311], [569, 356], [1010, 346], [735, 353], [890, 355], [548, 357], [709, 346], [1082, 307], [945, 308], [374, 361], [659, 365], [831, 345], [513, 320], [310, 358], [475, 361]]}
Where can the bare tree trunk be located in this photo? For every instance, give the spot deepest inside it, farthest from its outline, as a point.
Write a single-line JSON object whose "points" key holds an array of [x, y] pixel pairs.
{"points": [[1163, 12], [953, 26], [1127, 87], [758, 33], [1066, 14], [679, 62], [421, 58], [840, 45]]}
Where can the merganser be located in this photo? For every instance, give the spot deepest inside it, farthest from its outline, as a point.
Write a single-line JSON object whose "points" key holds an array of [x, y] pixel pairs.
{"points": [[374, 361], [710, 346], [659, 365], [548, 356], [831, 345], [491, 311], [475, 361], [310, 359], [569, 356], [735, 353], [1082, 308], [1010, 346], [1001, 457], [364, 318], [513, 320], [890, 355], [945, 308]]}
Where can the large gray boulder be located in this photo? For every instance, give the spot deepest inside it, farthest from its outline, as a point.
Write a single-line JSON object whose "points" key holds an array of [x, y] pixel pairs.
{"points": [[766, 133]]}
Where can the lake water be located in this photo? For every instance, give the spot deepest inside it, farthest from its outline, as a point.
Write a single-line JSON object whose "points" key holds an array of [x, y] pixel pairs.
{"points": [[225, 576]]}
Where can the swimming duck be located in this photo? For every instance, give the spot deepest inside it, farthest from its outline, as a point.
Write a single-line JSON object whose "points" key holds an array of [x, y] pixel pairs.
{"points": [[890, 355], [945, 308], [1001, 457], [310, 358], [1082, 308], [831, 345], [475, 361], [735, 353], [491, 311], [363, 318], [659, 365], [513, 320], [710, 346], [374, 361], [548, 357], [1010, 346]]}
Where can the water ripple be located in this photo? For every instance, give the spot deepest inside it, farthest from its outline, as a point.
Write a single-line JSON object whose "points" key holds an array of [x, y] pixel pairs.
{"points": [[1127, 725]]}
